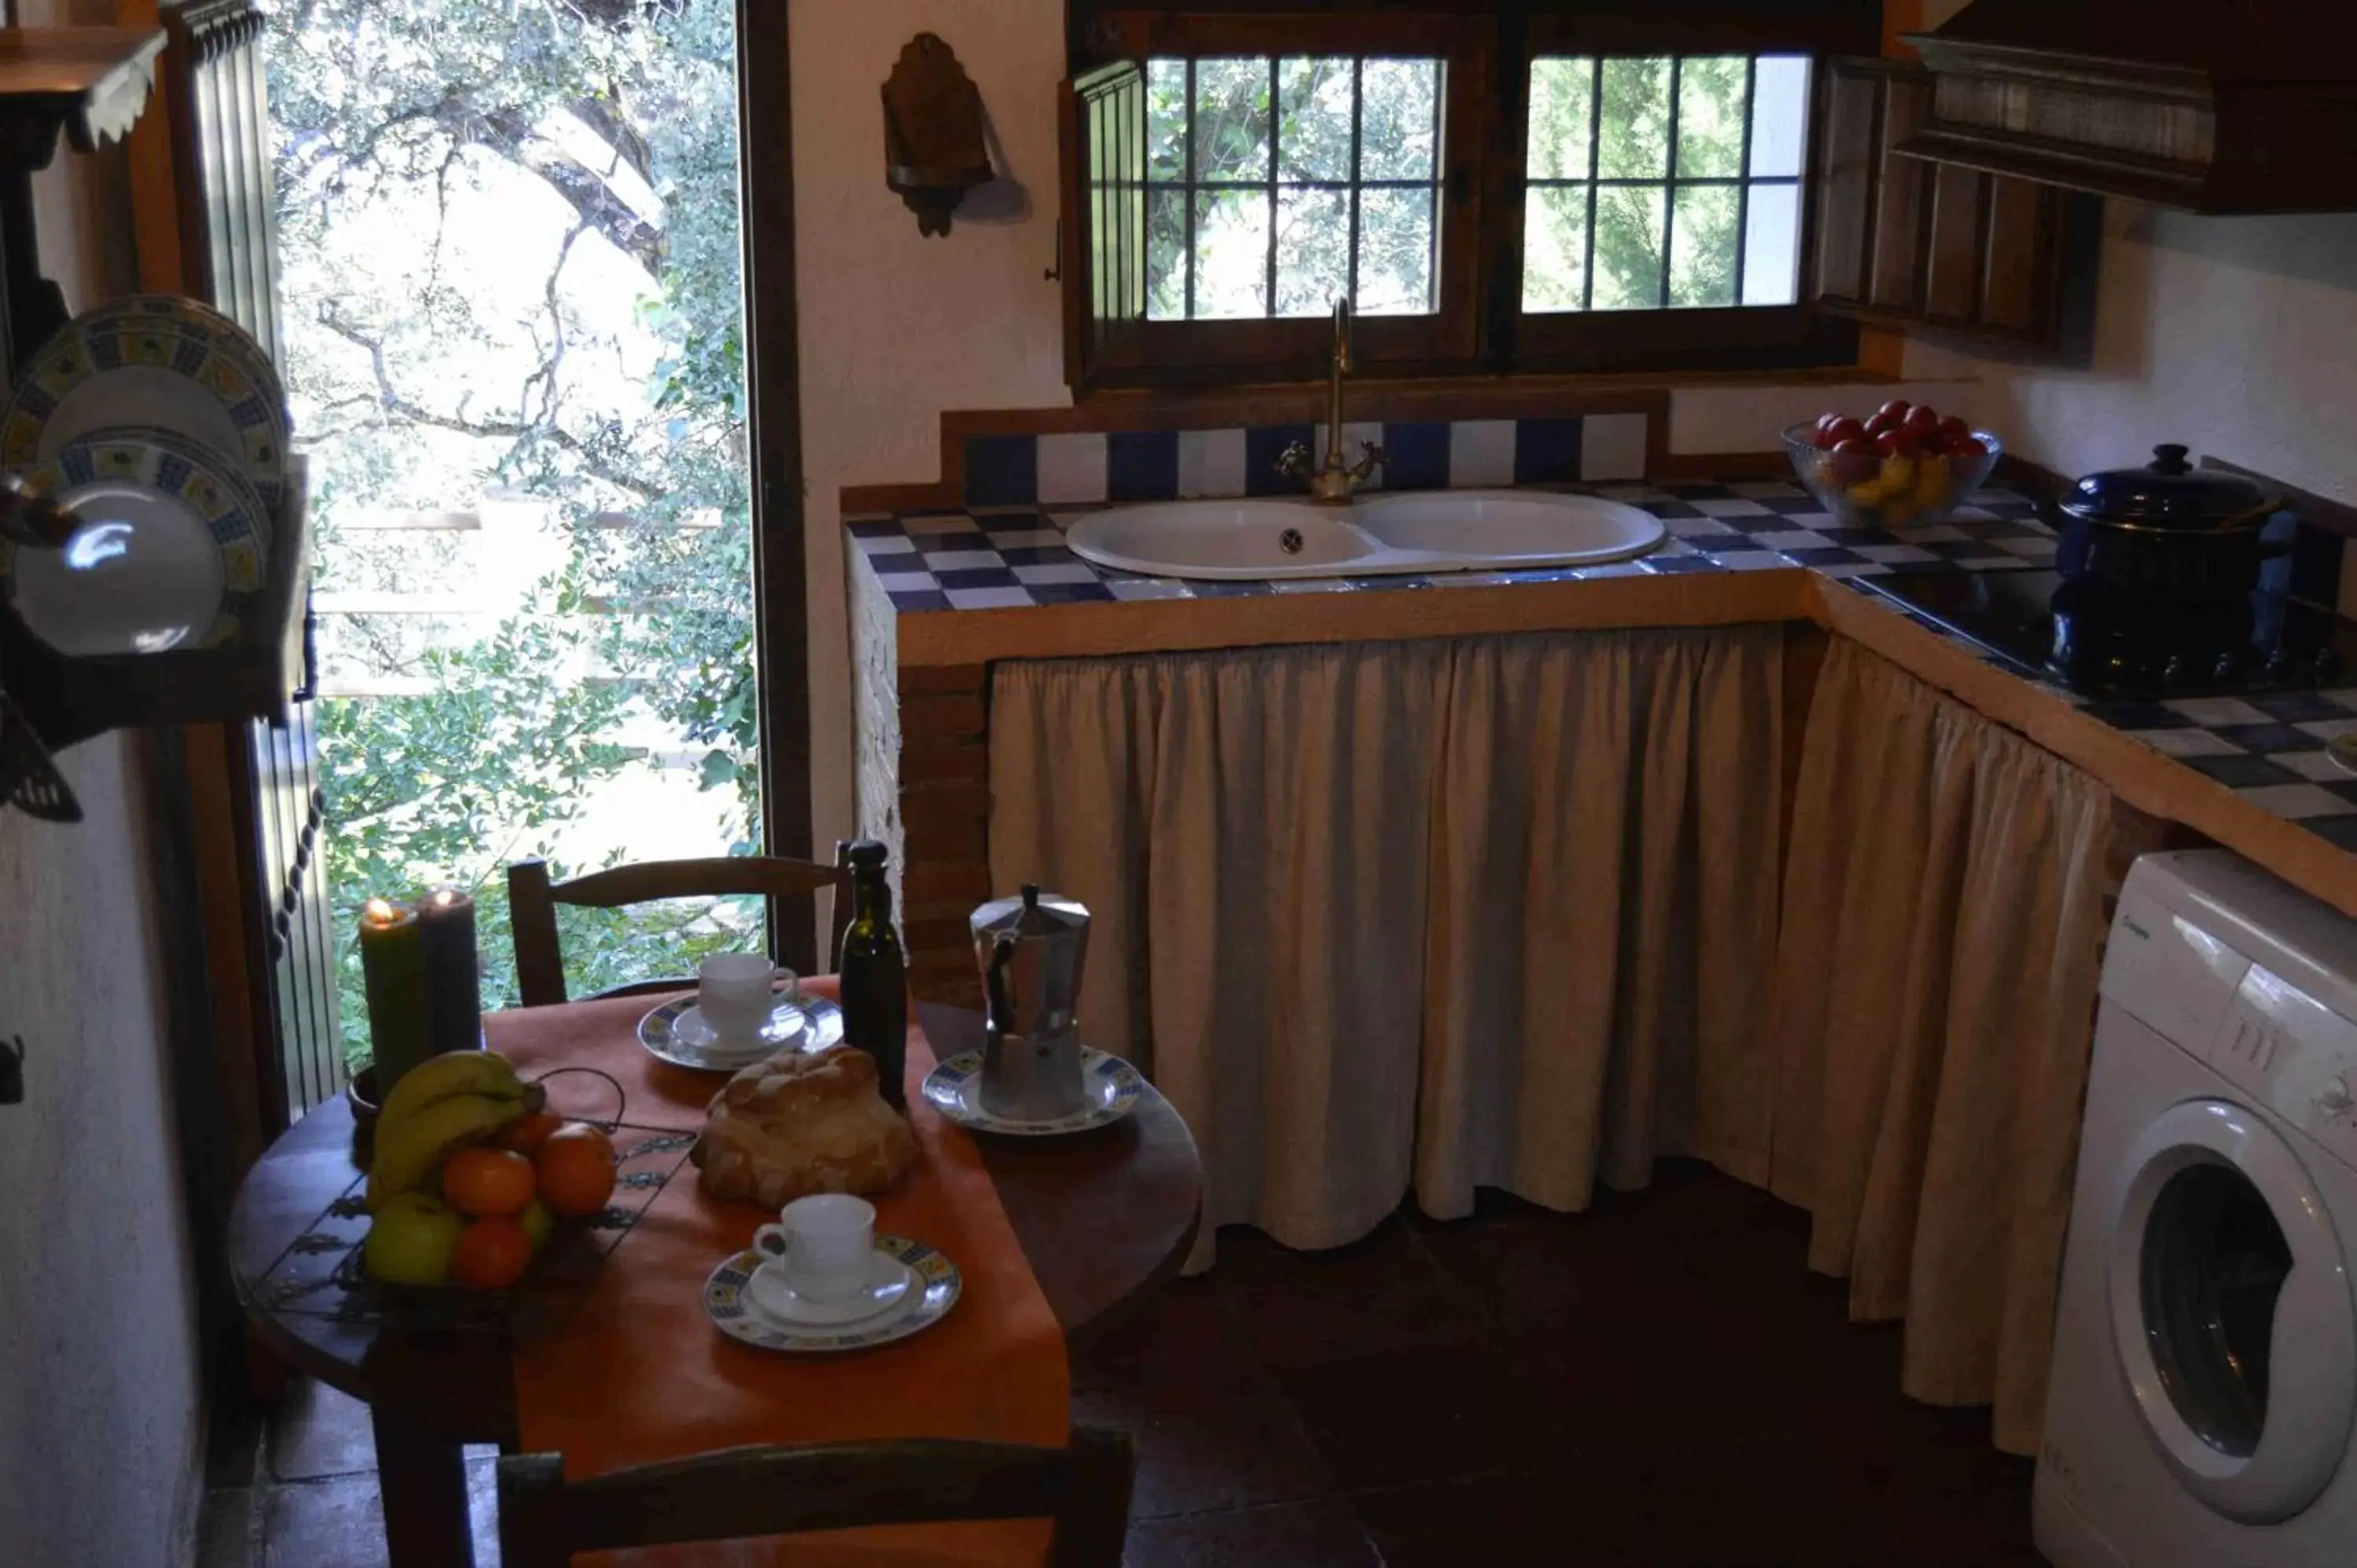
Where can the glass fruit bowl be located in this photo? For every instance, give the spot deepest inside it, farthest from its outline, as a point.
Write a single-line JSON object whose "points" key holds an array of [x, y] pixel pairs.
{"points": [[1869, 489]]}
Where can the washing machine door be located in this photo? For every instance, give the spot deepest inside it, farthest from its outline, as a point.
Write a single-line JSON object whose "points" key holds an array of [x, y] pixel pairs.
{"points": [[2231, 1311]]}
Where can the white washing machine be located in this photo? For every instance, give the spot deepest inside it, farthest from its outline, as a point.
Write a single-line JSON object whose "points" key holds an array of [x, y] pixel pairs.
{"points": [[2205, 1353]]}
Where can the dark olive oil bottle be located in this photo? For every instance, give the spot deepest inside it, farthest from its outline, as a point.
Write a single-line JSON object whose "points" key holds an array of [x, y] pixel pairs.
{"points": [[874, 977]]}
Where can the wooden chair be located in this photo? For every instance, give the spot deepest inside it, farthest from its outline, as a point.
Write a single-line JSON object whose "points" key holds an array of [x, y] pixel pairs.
{"points": [[742, 1493], [533, 900]]}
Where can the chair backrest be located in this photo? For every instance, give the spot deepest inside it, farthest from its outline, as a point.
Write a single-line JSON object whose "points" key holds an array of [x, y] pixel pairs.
{"points": [[533, 900], [745, 1493]]}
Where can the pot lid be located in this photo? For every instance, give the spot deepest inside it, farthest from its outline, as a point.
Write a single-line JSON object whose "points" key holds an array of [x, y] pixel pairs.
{"points": [[1031, 914], [2169, 492]]}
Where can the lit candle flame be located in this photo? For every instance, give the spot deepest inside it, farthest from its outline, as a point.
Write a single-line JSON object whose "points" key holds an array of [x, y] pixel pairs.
{"points": [[378, 912]]}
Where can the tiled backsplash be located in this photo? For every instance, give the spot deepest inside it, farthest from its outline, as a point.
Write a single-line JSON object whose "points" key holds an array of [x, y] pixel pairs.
{"points": [[1167, 465]]}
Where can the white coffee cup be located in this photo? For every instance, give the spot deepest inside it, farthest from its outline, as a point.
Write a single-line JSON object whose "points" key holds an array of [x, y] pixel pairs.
{"points": [[823, 1248], [733, 993]]}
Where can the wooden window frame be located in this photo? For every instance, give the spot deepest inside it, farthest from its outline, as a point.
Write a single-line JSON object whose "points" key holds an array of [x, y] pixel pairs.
{"points": [[1280, 347], [1481, 328]]}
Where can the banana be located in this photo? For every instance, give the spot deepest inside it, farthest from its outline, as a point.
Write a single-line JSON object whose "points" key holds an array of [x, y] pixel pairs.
{"points": [[411, 1149], [438, 1078]]}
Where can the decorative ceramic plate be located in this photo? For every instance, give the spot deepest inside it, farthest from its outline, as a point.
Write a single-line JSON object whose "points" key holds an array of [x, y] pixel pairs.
{"points": [[172, 549], [676, 1033], [728, 1301], [152, 360], [1109, 1091]]}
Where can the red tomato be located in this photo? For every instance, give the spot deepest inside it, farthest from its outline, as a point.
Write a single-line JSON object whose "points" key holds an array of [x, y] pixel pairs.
{"points": [[1897, 408], [1843, 428], [1855, 460], [1966, 446], [1894, 443], [1885, 421], [1826, 419], [1922, 423], [1954, 426]]}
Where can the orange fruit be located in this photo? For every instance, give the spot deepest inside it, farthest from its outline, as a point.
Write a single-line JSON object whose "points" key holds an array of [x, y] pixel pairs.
{"points": [[576, 1171], [492, 1255], [526, 1134], [488, 1182]]}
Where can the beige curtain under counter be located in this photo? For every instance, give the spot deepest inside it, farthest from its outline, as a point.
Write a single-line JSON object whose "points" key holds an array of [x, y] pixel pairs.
{"points": [[1469, 913], [1942, 921]]}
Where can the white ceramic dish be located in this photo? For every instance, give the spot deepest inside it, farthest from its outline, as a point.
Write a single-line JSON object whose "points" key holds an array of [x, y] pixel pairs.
{"points": [[735, 1309], [172, 549], [892, 1289], [1110, 1087], [676, 1033]]}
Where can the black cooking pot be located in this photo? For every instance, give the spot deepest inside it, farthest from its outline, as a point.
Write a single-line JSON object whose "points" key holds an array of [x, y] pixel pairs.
{"points": [[2165, 537]]}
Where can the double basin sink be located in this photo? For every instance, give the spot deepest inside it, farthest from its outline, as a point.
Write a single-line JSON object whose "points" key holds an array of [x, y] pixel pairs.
{"points": [[1423, 532]]}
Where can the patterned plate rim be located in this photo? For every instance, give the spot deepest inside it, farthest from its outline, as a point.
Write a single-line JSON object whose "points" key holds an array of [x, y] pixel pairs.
{"points": [[941, 1084], [265, 392], [825, 1030], [942, 1281], [247, 508]]}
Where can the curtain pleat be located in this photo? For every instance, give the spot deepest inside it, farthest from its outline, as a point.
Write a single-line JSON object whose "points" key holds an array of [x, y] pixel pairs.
{"points": [[1940, 934], [1482, 913]]}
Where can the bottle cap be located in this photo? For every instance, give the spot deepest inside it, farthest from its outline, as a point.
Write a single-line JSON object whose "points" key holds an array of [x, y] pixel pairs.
{"points": [[869, 855]]}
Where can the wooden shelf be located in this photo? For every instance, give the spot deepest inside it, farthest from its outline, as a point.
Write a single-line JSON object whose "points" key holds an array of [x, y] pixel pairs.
{"points": [[90, 82]]}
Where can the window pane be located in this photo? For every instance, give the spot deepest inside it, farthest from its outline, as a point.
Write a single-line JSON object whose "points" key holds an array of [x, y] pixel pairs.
{"points": [[1771, 246], [1702, 250], [1628, 221], [1780, 115], [1313, 250], [1166, 120], [1314, 120], [1398, 118], [1636, 128], [1230, 252], [1395, 253], [1710, 116], [1554, 248], [1231, 119], [1563, 94], [1165, 250]]}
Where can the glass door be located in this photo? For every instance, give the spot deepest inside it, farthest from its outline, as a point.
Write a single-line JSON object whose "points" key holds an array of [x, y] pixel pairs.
{"points": [[513, 308], [2231, 1311]]}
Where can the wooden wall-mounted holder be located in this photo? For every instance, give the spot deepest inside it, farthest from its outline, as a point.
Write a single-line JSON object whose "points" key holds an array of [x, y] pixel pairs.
{"points": [[934, 148]]}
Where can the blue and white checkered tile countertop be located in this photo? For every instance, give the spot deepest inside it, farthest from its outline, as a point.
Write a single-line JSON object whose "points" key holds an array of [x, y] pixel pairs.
{"points": [[988, 558], [2268, 747]]}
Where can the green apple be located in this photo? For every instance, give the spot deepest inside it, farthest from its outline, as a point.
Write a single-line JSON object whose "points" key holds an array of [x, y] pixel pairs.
{"points": [[537, 1222], [411, 1239]]}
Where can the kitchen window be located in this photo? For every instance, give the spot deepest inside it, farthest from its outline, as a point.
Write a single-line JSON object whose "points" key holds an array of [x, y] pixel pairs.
{"points": [[1563, 194]]}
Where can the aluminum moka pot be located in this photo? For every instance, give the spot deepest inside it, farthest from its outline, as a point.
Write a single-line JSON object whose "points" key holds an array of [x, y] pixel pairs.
{"points": [[1031, 949]]}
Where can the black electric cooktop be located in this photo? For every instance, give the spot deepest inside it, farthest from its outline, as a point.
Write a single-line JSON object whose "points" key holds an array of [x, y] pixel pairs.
{"points": [[2053, 630]]}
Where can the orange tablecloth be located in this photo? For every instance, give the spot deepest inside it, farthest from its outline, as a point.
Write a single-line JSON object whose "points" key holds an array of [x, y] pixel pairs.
{"points": [[637, 1373]]}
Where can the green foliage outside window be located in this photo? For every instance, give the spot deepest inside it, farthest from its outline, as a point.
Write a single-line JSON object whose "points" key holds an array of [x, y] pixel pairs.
{"points": [[434, 358]]}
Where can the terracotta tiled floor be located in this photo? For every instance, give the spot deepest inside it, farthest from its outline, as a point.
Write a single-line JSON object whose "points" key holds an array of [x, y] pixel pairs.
{"points": [[1657, 1382]]}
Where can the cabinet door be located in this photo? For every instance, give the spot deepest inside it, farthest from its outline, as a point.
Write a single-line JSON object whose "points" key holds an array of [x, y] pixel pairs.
{"points": [[1905, 242]]}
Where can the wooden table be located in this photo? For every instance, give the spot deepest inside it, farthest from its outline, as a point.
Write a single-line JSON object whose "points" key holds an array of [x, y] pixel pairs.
{"points": [[1104, 1218]]}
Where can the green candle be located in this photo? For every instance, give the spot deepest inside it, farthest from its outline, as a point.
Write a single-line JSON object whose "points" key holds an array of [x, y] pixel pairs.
{"points": [[392, 964]]}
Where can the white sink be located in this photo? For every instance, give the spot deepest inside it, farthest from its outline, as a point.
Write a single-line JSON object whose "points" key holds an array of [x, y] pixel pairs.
{"points": [[1424, 531]]}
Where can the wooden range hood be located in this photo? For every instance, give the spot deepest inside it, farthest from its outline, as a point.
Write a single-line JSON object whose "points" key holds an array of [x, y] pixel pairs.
{"points": [[2228, 106]]}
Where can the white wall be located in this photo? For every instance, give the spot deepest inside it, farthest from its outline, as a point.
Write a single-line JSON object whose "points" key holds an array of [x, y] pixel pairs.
{"points": [[2235, 336], [897, 327], [99, 1425]]}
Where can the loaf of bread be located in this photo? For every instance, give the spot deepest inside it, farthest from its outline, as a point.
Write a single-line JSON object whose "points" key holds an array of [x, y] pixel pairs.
{"points": [[800, 1122]]}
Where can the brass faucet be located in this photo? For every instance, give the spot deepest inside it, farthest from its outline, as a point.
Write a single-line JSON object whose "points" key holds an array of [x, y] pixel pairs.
{"points": [[1334, 484]]}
